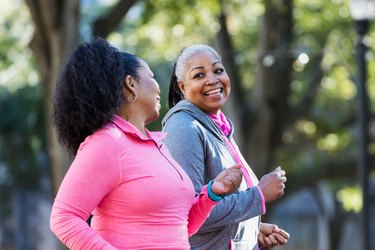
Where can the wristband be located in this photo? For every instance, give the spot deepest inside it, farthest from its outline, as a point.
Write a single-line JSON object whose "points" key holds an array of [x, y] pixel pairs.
{"points": [[211, 194]]}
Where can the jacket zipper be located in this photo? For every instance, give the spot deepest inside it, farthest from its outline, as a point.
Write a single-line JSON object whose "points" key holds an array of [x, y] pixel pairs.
{"points": [[149, 139], [170, 162], [237, 159]]}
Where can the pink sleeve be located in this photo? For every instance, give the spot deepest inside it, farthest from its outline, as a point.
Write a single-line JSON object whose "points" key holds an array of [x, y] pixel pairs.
{"points": [[263, 201], [200, 211], [92, 175]]}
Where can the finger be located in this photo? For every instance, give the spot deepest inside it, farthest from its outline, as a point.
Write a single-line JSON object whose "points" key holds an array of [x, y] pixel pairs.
{"points": [[273, 240], [231, 182], [267, 242], [261, 242], [220, 175], [226, 185], [260, 239], [234, 171], [275, 229], [283, 179], [284, 234], [267, 228], [280, 239], [278, 168], [234, 175], [236, 166]]}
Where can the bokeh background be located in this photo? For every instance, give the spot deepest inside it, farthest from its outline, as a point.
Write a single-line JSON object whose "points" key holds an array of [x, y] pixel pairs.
{"points": [[295, 71]]}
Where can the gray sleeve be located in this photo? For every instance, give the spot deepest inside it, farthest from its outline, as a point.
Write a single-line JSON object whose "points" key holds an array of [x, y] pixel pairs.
{"points": [[186, 143]]}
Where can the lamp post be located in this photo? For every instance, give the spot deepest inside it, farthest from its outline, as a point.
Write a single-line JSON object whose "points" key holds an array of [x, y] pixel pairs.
{"points": [[362, 12]]}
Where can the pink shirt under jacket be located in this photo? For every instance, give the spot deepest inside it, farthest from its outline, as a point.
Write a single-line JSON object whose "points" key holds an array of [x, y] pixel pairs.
{"points": [[139, 196]]}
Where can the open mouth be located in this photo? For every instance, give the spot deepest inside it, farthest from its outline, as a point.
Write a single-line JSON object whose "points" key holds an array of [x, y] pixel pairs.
{"points": [[214, 92]]}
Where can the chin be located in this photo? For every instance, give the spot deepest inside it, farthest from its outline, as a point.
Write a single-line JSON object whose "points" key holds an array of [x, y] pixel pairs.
{"points": [[217, 106], [156, 116]]}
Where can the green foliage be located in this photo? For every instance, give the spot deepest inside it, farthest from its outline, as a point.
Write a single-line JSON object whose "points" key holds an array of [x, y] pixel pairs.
{"points": [[22, 140], [324, 31], [323, 90], [320, 134], [351, 198], [22, 126], [16, 29]]}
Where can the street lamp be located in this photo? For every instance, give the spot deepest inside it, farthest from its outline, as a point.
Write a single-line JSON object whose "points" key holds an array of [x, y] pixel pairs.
{"points": [[362, 12]]}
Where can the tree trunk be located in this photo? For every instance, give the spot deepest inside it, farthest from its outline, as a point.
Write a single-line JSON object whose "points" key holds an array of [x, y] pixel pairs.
{"points": [[234, 101], [56, 30], [56, 26], [269, 107]]}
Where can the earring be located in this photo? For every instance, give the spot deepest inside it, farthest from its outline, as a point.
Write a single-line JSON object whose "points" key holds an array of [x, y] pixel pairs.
{"points": [[129, 97]]}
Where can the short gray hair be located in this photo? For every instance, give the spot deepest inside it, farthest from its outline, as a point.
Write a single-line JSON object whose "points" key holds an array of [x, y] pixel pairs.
{"points": [[187, 53]]}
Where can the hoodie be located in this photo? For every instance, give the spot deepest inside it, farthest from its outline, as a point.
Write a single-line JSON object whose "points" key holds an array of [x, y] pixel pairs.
{"points": [[198, 145]]}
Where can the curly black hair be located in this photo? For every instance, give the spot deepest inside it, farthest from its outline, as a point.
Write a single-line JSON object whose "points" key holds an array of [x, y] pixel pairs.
{"points": [[89, 90]]}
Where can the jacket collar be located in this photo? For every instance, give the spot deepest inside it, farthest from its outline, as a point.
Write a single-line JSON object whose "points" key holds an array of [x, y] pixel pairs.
{"points": [[198, 114], [130, 129]]}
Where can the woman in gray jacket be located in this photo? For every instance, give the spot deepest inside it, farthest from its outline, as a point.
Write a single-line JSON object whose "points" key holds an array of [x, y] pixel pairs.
{"points": [[200, 139]]}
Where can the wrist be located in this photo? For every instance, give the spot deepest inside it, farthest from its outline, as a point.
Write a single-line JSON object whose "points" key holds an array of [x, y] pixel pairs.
{"points": [[211, 194]]}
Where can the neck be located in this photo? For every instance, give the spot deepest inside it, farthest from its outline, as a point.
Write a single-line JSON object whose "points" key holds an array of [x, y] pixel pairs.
{"points": [[135, 119]]}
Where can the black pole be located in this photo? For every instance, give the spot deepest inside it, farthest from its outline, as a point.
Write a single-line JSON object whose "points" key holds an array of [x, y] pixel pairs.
{"points": [[362, 27]]}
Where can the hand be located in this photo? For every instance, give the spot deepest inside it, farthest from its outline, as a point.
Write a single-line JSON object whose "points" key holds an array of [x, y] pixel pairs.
{"points": [[228, 180], [270, 236], [272, 184]]}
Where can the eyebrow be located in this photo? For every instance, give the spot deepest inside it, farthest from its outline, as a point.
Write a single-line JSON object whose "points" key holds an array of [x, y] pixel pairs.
{"points": [[201, 67]]}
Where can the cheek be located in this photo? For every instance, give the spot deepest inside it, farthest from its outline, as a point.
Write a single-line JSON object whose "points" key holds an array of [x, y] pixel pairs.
{"points": [[227, 84], [194, 89]]}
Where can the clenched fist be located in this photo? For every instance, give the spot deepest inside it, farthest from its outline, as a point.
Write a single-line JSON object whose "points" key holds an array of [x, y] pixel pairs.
{"points": [[227, 181], [270, 236], [273, 184]]}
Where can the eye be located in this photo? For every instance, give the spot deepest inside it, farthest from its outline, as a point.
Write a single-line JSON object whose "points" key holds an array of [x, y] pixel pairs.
{"points": [[198, 75], [219, 70]]}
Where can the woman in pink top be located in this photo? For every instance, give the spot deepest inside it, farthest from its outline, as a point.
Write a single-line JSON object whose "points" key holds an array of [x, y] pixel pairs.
{"points": [[122, 174]]}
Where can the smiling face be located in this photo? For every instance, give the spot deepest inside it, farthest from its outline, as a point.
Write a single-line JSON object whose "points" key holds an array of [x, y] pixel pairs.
{"points": [[205, 82], [148, 93]]}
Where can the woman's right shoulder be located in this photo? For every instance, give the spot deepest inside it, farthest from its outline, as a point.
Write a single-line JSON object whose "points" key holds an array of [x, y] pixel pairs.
{"points": [[180, 118], [184, 125], [108, 136]]}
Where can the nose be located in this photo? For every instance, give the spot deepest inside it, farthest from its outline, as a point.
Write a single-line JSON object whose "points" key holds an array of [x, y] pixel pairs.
{"points": [[212, 79], [158, 87]]}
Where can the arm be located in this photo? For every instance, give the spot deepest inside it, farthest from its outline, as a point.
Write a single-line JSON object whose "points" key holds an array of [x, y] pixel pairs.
{"points": [[200, 211], [84, 186], [225, 183], [191, 156]]}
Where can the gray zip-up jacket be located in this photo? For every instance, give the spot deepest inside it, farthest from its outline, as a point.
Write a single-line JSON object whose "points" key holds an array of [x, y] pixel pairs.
{"points": [[196, 143]]}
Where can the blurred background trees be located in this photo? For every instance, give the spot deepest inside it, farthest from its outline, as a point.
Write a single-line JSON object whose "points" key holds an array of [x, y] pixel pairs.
{"points": [[292, 67]]}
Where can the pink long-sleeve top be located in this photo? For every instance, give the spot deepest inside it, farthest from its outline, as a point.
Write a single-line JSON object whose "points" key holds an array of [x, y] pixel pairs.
{"points": [[140, 197]]}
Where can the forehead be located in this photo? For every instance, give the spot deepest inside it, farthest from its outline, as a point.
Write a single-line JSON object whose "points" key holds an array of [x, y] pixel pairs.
{"points": [[144, 66], [202, 57]]}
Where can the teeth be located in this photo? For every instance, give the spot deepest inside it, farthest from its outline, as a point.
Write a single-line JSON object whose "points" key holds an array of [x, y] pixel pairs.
{"points": [[215, 91]]}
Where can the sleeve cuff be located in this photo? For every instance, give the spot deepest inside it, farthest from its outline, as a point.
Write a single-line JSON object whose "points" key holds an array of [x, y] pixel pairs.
{"points": [[263, 201], [211, 194]]}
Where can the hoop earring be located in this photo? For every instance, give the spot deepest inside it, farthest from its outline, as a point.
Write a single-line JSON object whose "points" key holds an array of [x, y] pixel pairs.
{"points": [[134, 99]]}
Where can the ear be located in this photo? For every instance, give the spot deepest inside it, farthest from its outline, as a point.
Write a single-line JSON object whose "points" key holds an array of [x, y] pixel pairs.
{"points": [[129, 85], [181, 85]]}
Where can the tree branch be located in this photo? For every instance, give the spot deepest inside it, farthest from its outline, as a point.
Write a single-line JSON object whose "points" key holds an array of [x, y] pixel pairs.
{"points": [[104, 25], [334, 168]]}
